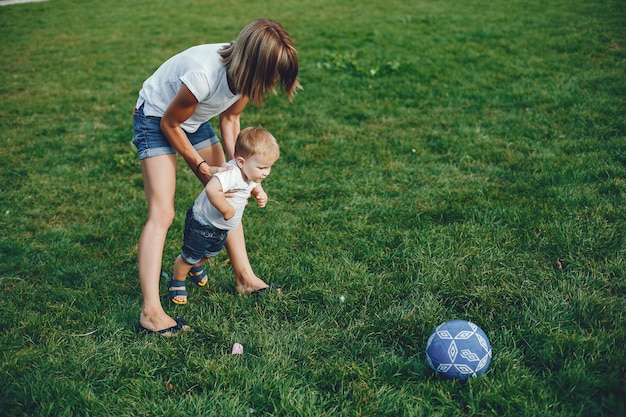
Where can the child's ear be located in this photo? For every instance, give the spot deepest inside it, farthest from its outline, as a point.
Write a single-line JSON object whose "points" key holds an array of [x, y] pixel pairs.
{"points": [[240, 161]]}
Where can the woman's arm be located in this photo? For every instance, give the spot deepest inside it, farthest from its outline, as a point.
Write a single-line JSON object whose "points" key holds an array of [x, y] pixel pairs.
{"points": [[179, 110], [230, 125]]}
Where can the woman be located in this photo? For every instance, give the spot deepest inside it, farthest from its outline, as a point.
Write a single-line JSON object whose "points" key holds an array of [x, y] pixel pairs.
{"points": [[172, 116]]}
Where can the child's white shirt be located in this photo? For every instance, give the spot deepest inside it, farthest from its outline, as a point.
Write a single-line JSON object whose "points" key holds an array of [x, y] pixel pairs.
{"points": [[232, 179]]}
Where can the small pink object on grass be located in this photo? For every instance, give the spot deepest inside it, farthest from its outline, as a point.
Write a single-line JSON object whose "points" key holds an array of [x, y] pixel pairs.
{"points": [[237, 349]]}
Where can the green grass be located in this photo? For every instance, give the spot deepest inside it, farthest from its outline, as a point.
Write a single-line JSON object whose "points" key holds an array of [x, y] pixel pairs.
{"points": [[446, 159]]}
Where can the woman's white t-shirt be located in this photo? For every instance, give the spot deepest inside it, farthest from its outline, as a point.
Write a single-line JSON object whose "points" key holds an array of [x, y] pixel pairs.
{"points": [[201, 69]]}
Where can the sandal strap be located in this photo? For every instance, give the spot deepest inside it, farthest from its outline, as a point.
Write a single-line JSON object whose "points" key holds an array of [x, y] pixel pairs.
{"points": [[195, 269], [180, 324], [180, 285], [176, 284], [199, 277]]}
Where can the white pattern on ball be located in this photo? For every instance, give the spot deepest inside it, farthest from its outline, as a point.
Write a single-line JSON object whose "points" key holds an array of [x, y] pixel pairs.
{"points": [[458, 349]]}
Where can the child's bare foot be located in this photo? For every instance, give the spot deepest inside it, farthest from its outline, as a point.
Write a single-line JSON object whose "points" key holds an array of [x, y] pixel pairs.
{"points": [[177, 292]]}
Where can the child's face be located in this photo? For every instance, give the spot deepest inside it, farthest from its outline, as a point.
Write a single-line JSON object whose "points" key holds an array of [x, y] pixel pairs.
{"points": [[256, 167]]}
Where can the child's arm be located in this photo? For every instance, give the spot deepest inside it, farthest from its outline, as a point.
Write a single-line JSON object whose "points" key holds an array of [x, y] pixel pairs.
{"points": [[259, 195], [218, 199]]}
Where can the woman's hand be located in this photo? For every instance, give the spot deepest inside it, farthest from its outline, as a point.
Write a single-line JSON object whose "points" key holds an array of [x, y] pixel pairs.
{"points": [[230, 194], [204, 172]]}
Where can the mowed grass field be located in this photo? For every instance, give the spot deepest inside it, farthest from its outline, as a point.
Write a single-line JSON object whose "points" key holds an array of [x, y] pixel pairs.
{"points": [[445, 160]]}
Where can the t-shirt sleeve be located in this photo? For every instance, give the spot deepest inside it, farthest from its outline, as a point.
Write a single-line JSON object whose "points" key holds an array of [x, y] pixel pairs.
{"points": [[226, 179], [198, 84]]}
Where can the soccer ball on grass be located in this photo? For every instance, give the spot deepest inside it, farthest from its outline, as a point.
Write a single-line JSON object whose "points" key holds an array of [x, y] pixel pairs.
{"points": [[458, 349]]}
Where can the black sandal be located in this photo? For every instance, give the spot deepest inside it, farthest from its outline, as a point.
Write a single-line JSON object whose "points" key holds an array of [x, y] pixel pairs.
{"points": [[181, 326]]}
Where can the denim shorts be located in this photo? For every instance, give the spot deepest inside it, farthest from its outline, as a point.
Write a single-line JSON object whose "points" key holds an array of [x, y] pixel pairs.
{"points": [[150, 140], [200, 241]]}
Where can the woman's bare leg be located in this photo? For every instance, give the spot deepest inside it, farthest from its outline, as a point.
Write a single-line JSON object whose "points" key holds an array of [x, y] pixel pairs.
{"points": [[159, 176], [246, 280]]}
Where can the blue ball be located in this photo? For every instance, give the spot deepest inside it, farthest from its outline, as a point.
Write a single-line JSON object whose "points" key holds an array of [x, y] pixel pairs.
{"points": [[458, 349]]}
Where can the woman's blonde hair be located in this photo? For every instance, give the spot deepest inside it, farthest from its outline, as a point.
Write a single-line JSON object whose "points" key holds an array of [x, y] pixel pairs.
{"points": [[262, 53], [256, 141]]}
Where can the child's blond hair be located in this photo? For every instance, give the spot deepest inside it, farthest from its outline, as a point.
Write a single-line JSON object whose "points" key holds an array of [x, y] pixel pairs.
{"points": [[256, 141]]}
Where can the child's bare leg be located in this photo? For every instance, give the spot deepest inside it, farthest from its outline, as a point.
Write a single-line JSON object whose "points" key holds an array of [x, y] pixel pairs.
{"points": [[181, 269], [197, 271], [247, 281]]}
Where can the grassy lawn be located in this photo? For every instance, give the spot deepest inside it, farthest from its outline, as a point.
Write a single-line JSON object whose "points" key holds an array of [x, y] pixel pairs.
{"points": [[445, 160]]}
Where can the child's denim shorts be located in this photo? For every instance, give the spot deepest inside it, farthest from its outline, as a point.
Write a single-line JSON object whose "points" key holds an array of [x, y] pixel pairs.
{"points": [[201, 241], [150, 141]]}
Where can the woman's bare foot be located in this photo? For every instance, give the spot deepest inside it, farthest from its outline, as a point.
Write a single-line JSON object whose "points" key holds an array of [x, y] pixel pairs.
{"points": [[164, 324], [250, 285]]}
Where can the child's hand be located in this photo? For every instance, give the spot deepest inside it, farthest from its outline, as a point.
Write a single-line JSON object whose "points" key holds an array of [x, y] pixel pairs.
{"points": [[261, 198]]}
